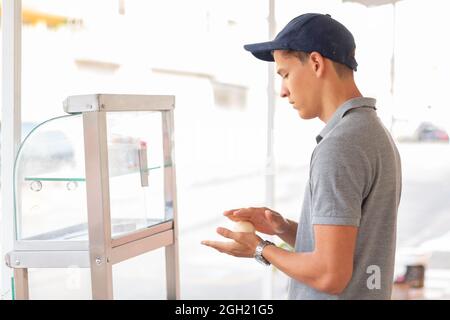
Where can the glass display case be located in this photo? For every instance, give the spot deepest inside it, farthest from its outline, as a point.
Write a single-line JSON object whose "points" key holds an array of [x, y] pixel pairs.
{"points": [[96, 187]]}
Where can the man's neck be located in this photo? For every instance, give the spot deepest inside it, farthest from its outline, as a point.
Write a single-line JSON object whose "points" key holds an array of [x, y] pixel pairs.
{"points": [[336, 98]]}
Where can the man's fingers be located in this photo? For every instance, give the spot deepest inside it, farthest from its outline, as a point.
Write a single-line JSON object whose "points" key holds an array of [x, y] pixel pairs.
{"points": [[242, 213], [229, 215], [228, 233], [218, 245], [238, 214], [229, 212]]}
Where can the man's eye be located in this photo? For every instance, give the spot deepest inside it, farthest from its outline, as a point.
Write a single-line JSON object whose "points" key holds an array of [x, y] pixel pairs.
{"points": [[285, 76]]}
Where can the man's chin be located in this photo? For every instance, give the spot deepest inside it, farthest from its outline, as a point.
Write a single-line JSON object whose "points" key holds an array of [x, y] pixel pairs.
{"points": [[302, 114]]}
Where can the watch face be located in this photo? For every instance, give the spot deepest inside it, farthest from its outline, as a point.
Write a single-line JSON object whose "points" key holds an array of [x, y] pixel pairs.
{"points": [[258, 253], [261, 259]]}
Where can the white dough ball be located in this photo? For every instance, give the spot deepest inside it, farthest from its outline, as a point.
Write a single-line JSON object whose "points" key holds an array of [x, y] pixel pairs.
{"points": [[244, 226]]}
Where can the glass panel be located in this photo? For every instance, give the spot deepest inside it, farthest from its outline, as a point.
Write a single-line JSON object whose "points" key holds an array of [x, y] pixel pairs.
{"points": [[50, 190], [136, 175], [50, 177]]}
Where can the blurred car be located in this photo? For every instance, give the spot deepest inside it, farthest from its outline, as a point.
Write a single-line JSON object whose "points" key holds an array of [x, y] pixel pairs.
{"points": [[47, 149], [428, 131], [123, 155]]}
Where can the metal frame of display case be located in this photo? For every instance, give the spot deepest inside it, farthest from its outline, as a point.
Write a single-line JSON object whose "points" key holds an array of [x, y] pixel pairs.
{"points": [[102, 250]]}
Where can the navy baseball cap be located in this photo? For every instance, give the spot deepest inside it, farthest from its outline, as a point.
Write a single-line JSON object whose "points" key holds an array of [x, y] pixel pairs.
{"points": [[311, 32]]}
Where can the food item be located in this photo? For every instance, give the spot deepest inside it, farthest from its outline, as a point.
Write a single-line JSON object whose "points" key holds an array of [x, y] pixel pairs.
{"points": [[244, 226]]}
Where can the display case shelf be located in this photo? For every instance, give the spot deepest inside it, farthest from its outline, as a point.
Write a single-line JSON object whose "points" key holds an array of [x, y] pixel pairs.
{"points": [[64, 179]]}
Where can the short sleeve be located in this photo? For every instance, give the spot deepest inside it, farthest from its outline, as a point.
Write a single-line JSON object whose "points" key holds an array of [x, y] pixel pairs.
{"points": [[339, 177]]}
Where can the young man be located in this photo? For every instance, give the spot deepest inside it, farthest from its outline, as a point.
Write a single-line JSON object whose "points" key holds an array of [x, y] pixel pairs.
{"points": [[346, 235]]}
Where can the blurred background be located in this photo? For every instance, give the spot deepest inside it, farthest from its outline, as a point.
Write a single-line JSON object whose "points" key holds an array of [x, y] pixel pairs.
{"points": [[194, 50]]}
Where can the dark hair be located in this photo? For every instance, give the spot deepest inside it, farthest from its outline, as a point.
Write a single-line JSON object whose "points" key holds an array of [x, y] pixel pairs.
{"points": [[341, 69]]}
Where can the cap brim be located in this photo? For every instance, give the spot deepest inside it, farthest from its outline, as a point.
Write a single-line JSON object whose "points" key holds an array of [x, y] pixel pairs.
{"points": [[263, 50]]}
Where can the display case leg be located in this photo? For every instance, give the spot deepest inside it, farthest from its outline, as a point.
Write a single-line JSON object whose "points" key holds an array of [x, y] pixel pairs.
{"points": [[172, 272], [21, 284], [101, 281], [98, 205]]}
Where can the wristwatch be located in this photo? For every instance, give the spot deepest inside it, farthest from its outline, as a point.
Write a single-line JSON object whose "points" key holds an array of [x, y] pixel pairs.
{"points": [[258, 252]]}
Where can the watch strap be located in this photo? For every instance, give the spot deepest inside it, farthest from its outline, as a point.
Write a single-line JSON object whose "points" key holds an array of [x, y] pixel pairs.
{"points": [[259, 249]]}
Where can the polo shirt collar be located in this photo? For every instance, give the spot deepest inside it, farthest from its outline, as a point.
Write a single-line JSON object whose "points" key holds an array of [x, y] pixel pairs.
{"points": [[342, 110]]}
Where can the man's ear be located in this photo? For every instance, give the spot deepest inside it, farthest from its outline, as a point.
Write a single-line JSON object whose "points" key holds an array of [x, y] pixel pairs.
{"points": [[317, 62]]}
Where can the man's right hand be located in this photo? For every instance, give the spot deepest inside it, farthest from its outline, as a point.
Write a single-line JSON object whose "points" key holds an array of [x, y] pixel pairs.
{"points": [[264, 219]]}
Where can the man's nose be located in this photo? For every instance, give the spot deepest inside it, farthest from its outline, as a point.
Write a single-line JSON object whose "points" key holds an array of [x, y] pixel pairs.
{"points": [[284, 92]]}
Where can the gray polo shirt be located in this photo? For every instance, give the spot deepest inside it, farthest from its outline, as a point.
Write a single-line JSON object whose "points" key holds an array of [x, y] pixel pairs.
{"points": [[354, 179]]}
